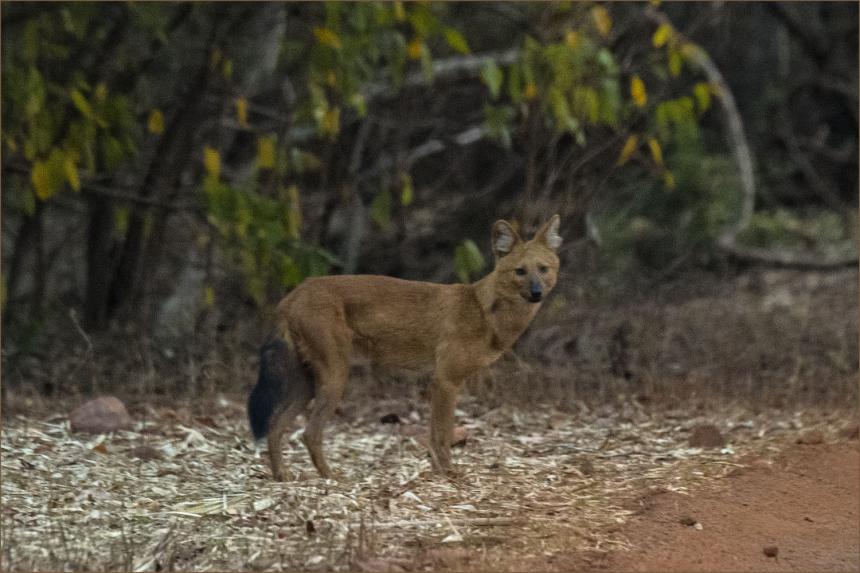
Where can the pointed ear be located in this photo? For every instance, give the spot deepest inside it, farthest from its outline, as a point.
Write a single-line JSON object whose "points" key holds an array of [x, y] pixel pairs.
{"points": [[548, 234], [504, 238]]}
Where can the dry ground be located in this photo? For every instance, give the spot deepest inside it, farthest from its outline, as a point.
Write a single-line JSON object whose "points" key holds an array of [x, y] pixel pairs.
{"points": [[540, 489]]}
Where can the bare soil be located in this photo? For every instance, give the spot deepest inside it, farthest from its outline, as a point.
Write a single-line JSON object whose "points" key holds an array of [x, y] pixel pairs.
{"points": [[804, 504], [795, 512]]}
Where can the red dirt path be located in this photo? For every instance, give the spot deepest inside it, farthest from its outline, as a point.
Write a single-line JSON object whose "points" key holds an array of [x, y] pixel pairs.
{"points": [[806, 504]]}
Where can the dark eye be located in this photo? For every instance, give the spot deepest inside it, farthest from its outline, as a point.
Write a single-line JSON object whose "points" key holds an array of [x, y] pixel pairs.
{"points": [[543, 268], [520, 271]]}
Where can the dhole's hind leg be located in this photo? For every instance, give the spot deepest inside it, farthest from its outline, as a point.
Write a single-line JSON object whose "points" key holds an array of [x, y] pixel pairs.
{"points": [[329, 394], [331, 374], [280, 422]]}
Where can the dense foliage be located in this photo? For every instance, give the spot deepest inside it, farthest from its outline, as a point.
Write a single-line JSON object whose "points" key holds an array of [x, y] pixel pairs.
{"points": [[274, 138]]}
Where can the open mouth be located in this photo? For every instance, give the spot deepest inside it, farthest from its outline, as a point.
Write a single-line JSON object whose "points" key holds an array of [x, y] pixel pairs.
{"points": [[534, 297]]}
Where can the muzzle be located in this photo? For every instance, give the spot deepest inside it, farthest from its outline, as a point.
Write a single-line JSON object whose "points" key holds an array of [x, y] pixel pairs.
{"points": [[535, 291]]}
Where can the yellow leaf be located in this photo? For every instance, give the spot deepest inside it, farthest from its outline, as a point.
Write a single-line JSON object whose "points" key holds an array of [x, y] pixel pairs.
{"points": [[531, 91], [215, 58], [702, 91], [41, 179], [654, 3], [669, 180], [155, 123], [330, 124], [327, 37], [11, 144], [101, 92], [602, 20], [331, 79], [637, 91], [212, 161], [656, 151], [715, 89], [662, 35], [628, 149], [415, 48], [571, 38], [209, 296], [399, 11], [675, 63], [266, 152], [242, 111], [71, 172], [228, 69], [690, 51]]}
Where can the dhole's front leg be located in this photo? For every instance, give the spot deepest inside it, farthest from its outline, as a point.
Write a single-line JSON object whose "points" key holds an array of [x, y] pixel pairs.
{"points": [[443, 400]]}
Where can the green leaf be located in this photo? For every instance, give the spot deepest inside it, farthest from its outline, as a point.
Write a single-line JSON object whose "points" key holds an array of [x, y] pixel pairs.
{"points": [[468, 260], [120, 220], [291, 274], [41, 179], [112, 152], [493, 77], [515, 83], [406, 190], [82, 104], [498, 121], [456, 40], [48, 176], [380, 209], [70, 170]]}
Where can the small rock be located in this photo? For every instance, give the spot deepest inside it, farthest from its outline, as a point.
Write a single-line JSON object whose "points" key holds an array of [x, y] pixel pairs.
{"points": [[99, 416], [851, 431], [706, 436], [378, 564], [458, 439], [771, 550], [688, 521], [811, 438], [146, 453], [390, 419], [586, 467]]}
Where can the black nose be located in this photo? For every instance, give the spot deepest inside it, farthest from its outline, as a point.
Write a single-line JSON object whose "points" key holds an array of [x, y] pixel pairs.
{"points": [[535, 291]]}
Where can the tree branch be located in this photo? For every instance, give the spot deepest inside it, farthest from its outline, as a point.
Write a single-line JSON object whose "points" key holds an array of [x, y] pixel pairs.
{"points": [[447, 70]]}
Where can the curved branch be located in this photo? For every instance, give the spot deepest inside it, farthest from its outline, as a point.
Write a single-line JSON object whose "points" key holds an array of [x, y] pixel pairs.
{"points": [[788, 259], [727, 241], [738, 138]]}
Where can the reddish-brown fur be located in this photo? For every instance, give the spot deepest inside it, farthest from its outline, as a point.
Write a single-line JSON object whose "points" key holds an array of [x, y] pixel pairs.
{"points": [[451, 330]]}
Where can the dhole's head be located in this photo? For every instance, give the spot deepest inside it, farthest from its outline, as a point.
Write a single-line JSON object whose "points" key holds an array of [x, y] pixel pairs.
{"points": [[526, 268]]}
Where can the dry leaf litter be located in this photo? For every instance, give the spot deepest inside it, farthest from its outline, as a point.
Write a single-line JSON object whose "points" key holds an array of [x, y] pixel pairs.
{"points": [[198, 496]]}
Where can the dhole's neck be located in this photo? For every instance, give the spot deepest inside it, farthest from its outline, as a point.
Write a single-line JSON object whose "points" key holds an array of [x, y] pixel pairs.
{"points": [[507, 314]]}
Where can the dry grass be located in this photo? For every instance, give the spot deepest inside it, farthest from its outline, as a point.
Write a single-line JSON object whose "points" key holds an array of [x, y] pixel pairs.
{"points": [[192, 492]]}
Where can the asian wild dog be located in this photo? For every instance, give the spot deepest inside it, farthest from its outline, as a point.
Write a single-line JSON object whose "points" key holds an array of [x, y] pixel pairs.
{"points": [[451, 330]]}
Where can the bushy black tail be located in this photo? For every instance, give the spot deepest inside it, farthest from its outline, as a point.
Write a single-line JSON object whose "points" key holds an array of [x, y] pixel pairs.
{"points": [[283, 379]]}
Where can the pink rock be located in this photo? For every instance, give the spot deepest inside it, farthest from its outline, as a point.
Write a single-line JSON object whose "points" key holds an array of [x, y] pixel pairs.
{"points": [[99, 416]]}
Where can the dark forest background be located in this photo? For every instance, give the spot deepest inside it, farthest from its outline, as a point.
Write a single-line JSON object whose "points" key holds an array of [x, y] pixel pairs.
{"points": [[170, 170]]}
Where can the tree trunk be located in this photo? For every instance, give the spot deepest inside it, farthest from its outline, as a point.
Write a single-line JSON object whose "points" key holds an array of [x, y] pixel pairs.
{"points": [[98, 261]]}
